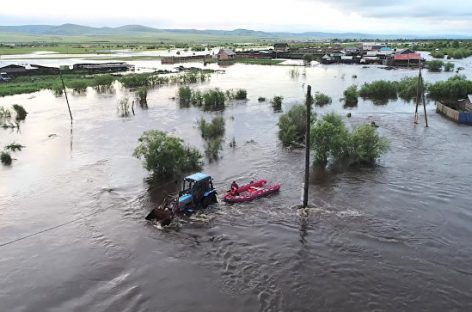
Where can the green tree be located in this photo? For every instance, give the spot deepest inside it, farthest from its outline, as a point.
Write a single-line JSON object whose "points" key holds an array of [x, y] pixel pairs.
{"points": [[366, 145], [448, 66], [329, 138], [307, 58], [292, 126], [351, 96], [166, 155], [322, 99], [277, 103], [435, 66]]}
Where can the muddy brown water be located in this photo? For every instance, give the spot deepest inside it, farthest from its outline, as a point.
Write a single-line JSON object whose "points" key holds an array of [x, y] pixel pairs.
{"points": [[391, 238]]}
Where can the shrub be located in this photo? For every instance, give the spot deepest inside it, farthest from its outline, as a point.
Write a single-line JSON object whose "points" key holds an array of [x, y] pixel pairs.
{"points": [[141, 95], [212, 130], [212, 149], [135, 80], [434, 66], [366, 145], [197, 98], [5, 158], [185, 96], [20, 112], [241, 94], [292, 126], [448, 66], [213, 100], [78, 85], [14, 147], [330, 138], [307, 59], [455, 88], [277, 103], [322, 99], [351, 96], [379, 89], [104, 81], [437, 54], [5, 113], [123, 107], [407, 88], [166, 155]]}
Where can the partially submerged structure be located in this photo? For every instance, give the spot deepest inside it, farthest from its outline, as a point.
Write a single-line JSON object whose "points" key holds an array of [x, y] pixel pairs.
{"points": [[458, 111], [225, 54]]}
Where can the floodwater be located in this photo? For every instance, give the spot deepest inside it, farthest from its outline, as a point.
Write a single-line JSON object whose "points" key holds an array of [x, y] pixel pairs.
{"points": [[391, 238]]}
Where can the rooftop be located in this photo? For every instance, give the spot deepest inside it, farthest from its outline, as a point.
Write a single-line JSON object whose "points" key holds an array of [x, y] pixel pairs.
{"points": [[197, 176]]}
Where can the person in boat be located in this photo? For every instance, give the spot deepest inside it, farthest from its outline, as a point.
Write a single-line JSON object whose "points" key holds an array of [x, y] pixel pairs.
{"points": [[234, 189]]}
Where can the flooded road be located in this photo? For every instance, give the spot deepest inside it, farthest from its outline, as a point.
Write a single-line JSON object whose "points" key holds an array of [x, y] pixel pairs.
{"points": [[392, 238]]}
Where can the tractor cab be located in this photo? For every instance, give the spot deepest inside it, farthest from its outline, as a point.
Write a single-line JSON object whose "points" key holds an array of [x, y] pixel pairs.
{"points": [[197, 192]]}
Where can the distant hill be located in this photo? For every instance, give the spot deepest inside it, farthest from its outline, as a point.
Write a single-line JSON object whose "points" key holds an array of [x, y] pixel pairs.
{"points": [[144, 31]]}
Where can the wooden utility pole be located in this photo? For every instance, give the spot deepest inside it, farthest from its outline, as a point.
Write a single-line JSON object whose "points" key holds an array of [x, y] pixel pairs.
{"points": [[65, 94], [307, 146], [420, 98]]}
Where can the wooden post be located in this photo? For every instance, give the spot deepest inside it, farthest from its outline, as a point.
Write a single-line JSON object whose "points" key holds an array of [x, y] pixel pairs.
{"points": [[307, 146], [420, 98], [65, 94]]}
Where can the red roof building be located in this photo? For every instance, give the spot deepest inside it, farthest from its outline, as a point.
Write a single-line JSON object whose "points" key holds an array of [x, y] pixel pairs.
{"points": [[407, 57]]}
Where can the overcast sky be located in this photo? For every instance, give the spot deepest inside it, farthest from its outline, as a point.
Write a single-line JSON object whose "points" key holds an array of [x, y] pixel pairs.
{"points": [[368, 16]]}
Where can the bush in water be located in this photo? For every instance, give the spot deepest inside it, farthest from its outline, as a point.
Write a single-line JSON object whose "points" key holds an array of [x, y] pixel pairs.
{"points": [[292, 126], [322, 99], [20, 112], [366, 145], [351, 96], [332, 140], [434, 66], [329, 139], [166, 155], [5, 158], [212, 130], [241, 94], [277, 103]]}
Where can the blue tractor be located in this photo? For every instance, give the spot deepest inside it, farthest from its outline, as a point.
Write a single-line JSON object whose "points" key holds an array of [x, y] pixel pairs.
{"points": [[197, 192]]}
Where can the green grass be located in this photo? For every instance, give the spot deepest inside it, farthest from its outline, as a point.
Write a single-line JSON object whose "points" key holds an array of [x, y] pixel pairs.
{"points": [[80, 82]]}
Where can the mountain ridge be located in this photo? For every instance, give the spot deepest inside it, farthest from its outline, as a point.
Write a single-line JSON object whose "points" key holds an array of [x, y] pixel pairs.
{"points": [[69, 29]]}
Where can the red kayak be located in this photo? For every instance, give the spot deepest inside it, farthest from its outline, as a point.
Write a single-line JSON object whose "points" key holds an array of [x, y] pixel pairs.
{"points": [[251, 191]]}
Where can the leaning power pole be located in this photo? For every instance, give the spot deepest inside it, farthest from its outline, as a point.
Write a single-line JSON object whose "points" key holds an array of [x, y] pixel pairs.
{"points": [[308, 103], [420, 98], [65, 94]]}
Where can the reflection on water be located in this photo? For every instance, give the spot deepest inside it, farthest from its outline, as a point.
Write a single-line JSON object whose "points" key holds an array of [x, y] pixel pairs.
{"points": [[395, 237]]}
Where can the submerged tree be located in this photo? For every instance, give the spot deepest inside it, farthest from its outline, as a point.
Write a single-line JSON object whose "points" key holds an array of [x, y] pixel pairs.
{"points": [[20, 112], [332, 141], [213, 133], [351, 96], [5, 158], [277, 103], [292, 126], [366, 145], [166, 155], [329, 138]]}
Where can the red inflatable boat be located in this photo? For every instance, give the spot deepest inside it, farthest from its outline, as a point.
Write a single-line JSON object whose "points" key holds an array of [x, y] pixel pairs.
{"points": [[251, 191]]}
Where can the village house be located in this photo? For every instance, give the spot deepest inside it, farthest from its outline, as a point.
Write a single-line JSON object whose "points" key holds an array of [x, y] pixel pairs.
{"points": [[225, 54], [281, 48], [406, 57], [372, 46], [18, 70]]}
